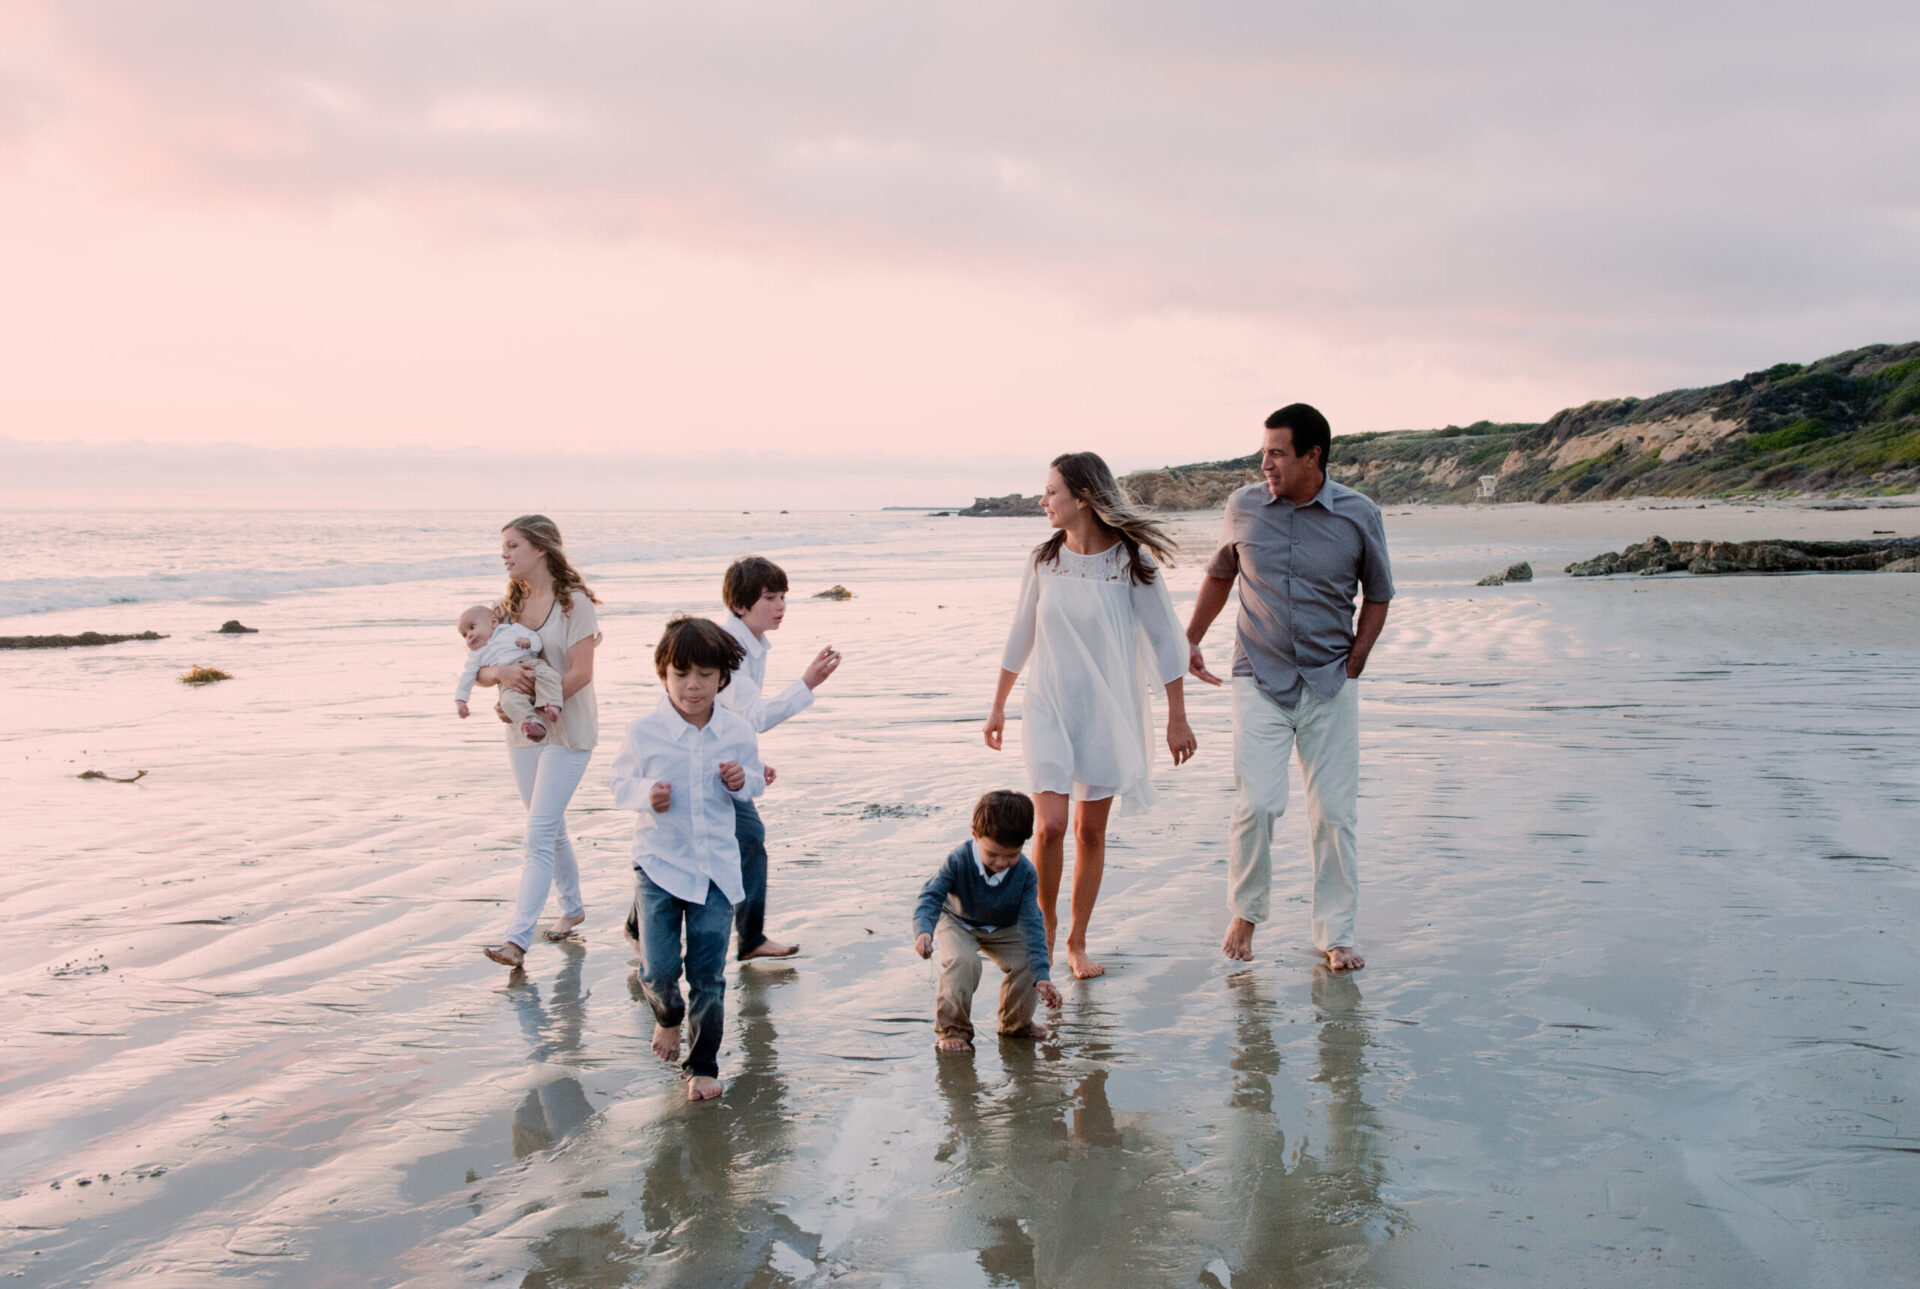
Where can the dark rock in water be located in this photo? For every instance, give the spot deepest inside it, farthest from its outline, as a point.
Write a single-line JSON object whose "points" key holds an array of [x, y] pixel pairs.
{"points": [[1011, 505], [835, 592], [232, 627], [1657, 555], [1521, 572], [68, 642]]}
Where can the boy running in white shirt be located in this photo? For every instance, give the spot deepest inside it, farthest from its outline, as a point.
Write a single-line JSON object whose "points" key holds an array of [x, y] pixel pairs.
{"points": [[683, 768], [755, 592]]}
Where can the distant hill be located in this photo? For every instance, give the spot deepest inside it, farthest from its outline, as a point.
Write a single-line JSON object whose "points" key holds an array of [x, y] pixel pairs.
{"points": [[1849, 423]]}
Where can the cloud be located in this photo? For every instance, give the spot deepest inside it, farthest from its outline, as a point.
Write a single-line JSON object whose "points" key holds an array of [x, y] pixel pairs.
{"points": [[1637, 188]]}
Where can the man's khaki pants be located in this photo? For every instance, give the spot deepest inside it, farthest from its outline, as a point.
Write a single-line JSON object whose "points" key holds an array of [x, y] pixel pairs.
{"points": [[1327, 736], [957, 949]]}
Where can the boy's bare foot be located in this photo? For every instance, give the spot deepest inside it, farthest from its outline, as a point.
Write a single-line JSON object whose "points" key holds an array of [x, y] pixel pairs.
{"points": [[1034, 1030], [702, 1088], [954, 1044], [1343, 958], [1239, 942], [507, 955], [666, 1043], [1083, 967], [533, 730], [563, 927], [772, 949]]}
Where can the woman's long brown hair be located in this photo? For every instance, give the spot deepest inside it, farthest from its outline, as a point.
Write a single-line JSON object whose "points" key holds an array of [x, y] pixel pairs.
{"points": [[1088, 478], [544, 536]]}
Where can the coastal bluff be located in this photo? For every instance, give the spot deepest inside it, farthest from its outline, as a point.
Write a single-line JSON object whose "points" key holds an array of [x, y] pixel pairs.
{"points": [[1848, 423]]}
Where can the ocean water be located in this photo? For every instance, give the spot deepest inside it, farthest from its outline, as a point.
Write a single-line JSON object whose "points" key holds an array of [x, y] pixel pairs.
{"points": [[1638, 887]]}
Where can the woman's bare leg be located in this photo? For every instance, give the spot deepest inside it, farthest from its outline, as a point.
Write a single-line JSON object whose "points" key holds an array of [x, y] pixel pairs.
{"points": [[1089, 866], [1050, 855]]}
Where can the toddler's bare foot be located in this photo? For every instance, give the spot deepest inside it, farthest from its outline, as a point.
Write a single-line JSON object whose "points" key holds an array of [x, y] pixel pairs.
{"points": [[954, 1044], [1083, 967], [1239, 942], [666, 1043], [563, 926], [702, 1088], [533, 729], [1034, 1030], [1343, 958]]}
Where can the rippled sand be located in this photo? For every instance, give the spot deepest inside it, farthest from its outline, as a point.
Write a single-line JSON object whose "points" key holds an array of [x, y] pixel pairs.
{"points": [[1639, 885]]}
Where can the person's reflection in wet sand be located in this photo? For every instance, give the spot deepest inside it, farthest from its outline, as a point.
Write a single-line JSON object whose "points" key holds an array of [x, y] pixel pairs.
{"points": [[704, 1199], [1046, 1182], [549, 1112], [1316, 1221]]}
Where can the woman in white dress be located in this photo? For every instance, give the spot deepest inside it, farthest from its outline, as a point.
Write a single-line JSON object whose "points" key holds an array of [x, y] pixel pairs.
{"points": [[1097, 621]]}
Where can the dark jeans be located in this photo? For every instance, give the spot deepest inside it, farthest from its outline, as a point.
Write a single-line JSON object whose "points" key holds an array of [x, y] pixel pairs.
{"points": [[658, 917], [750, 915]]}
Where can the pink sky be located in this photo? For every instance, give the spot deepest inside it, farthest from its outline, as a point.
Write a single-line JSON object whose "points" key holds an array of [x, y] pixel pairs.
{"points": [[977, 232]]}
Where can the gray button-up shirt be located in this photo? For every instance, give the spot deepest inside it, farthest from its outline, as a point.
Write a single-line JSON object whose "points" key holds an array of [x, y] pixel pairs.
{"points": [[1298, 568]]}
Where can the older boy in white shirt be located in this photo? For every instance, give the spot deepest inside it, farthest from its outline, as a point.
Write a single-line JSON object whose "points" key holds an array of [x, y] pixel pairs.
{"points": [[682, 768], [755, 592]]}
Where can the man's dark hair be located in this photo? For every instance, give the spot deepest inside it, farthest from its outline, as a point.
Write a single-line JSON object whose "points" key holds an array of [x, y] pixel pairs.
{"points": [[1005, 817], [747, 579], [695, 642], [1309, 429]]}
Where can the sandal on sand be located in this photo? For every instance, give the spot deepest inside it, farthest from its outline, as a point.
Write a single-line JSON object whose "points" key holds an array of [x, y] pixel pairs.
{"points": [[559, 936], [507, 955]]}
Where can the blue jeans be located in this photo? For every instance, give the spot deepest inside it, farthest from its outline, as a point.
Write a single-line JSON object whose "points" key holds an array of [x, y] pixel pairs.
{"points": [[658, 917], [750, 915]]}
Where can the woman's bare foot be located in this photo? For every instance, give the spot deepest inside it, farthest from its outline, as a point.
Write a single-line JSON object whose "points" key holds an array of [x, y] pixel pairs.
{"points": [[563, 927], [1034, 1030], [954, 1044], [1083, 967], [666, 1043], [533, 730], [1344, 958], [702, 1088], [772, 949], [507, 955], [1239, 942]]}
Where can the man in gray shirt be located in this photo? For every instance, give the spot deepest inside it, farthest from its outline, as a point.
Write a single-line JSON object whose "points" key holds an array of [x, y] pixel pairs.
{"points": [[1300, 546]]}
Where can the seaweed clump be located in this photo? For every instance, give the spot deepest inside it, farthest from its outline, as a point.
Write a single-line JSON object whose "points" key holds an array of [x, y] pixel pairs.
{"points": [[204, 676]]}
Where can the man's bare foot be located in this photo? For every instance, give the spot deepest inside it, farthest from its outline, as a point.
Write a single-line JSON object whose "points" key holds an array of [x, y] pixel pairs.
{"points": [[666, 1043], [1343, 958], [507, 955], [1083, 967], [1239, 942], [533, 730], [563, 927], [1034, 1030], [702, 1088], [771, 949], [954, 1044]]}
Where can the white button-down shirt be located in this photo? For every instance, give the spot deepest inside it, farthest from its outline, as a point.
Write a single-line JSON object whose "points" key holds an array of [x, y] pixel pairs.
{"points": [[746, 694], [691, 842]]}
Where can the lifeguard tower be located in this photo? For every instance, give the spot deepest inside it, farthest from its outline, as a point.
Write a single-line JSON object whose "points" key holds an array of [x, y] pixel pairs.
{"points": [[1488, 482]]}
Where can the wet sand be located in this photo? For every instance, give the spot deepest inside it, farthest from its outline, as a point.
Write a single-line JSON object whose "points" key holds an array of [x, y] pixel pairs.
{"points": [[1638, 881]]}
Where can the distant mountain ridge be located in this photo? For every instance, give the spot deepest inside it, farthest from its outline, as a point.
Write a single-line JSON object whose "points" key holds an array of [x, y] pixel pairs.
{"points": [[1847, 423]]}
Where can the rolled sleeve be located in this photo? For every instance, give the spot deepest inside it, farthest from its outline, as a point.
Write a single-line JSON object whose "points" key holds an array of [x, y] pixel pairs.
{"points": [[1376, 573]]}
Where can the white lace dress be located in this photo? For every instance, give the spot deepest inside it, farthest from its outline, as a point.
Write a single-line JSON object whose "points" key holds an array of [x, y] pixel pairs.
{"points": [[1096, 638]]}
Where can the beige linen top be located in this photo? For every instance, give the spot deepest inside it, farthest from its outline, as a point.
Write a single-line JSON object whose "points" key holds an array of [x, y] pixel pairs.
{"points": [[579, 726]]}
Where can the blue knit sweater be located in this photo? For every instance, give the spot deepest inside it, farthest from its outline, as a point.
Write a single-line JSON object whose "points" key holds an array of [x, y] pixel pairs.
{"points": [[959, 889]]}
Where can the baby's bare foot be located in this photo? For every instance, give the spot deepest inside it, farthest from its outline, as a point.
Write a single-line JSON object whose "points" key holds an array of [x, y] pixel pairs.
{"points": [[533, 730], [702, 1088], [552, 711], [666, 1043]]}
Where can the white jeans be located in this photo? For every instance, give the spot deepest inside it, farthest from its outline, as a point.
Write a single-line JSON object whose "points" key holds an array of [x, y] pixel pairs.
{"points": [[1327, 734], [546, 777]]}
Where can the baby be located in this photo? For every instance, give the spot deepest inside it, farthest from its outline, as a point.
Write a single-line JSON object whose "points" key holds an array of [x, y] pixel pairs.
{"points": [[492, 643]]}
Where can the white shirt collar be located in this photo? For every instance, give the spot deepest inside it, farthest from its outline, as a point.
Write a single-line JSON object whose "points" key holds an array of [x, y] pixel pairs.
{"points": [[992, 879], [754, 645], [675, 726]]}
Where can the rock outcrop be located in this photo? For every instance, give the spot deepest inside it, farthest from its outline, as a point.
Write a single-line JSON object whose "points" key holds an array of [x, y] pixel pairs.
{"points": [[1658, 555], [1521, 572], [1013, 504], [69, 642]]}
